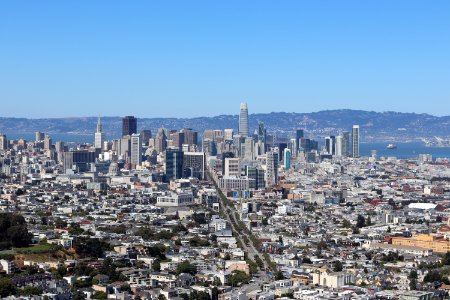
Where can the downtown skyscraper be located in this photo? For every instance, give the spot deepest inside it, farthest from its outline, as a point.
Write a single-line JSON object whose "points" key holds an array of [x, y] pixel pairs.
{"points": [[136, 149], [355, 141], [129, 125], [243, 120], [99, 135]]}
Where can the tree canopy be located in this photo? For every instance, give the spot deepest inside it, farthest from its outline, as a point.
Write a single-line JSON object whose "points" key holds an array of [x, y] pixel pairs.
{"points": [[13, 231]]}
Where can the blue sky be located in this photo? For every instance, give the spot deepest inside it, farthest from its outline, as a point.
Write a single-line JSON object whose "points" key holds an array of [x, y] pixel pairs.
{"points": [[202, 58]]}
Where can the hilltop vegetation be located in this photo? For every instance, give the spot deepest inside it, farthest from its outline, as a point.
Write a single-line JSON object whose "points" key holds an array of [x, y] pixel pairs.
{"points": [[13, 231]]}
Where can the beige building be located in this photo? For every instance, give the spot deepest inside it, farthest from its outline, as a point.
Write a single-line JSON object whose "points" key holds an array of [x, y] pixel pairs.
{"points": [[333, 280], [436, 243]]}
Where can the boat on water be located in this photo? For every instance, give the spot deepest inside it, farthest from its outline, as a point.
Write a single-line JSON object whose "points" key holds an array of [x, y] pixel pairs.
{"points": [[391, 146]]}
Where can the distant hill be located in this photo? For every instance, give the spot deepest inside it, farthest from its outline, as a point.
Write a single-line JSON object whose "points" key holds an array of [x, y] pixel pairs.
{"points": [[375, 126]]}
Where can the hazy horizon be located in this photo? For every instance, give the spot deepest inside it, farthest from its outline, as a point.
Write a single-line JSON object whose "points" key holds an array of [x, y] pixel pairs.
{"points": [[214, 116]]}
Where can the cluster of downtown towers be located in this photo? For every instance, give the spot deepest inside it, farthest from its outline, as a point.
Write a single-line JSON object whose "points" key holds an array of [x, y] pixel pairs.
{"points": [[180, 154]]}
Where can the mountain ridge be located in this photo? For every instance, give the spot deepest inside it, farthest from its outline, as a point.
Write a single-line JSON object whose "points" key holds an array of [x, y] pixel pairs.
{"points": [[374, 125]]}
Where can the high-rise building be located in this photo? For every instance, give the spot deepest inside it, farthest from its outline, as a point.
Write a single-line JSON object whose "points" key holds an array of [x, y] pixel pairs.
{"points": [[228, 134], [209, 146], [309, 145], [146, 135], [281, 147], [355, 141], [272, 167], [248, 149], [190, 136], [125, 147], [129, 125], [161, 141], [287, 159], [194, 164], [243, 120], [3, 142], [47, 142], [232, 167], [238, 140], [39, 136], [292, 145], [339, 146], [59, 146], [215, 135], [257, 174], [330, 145], [136, 149], [299, 135], [346, 144], [174, 163], [260, 148], [99, 135], [177, 138], [78, 160], [262, 133]]}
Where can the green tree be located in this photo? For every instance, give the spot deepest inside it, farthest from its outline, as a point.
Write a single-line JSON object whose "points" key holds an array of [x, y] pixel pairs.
{"points": [[412, 280], [196, 241], [360, 221], [346, 223], [186, 267], [238, 277], [306, 260], [125, 288], [59, 223], [13, 231], [87, 247], [99, 295], [322, 245], [156, 266], [199, 218], [337, 266], [279, 275], [157, 251], [214, 293], [30, 290], [446, 259], [252, 266], [214, 238], [79, 296], [432, 276], [7, 288], [196, 295], [306, 230], [62, 271], [20, 192], [146, 233]]}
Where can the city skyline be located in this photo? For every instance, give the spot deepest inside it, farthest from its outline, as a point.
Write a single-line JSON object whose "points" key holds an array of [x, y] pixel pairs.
{"points": [[235, 150], [204, 59]]}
